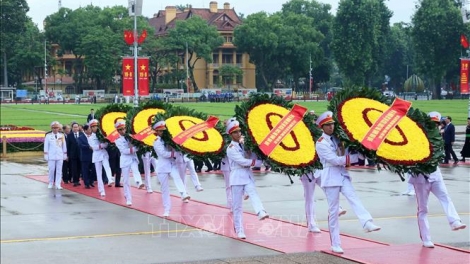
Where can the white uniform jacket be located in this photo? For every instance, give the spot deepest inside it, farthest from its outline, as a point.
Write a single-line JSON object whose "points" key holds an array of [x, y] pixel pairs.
{"points": [[99, 151], [128, 152], [181, 158], [166, 158], [333, 163], [55, 147], [224, 164], [240, 172], [436, 176]]}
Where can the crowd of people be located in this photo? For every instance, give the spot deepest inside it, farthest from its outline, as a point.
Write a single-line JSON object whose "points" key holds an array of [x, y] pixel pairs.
{"points": [[71, 150]]}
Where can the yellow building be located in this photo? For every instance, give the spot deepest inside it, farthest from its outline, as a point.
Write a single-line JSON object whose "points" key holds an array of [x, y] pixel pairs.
{"points": [[225, 20]]}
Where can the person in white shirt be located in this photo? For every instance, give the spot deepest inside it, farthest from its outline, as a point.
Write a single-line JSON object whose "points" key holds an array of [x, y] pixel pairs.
{"points": [[241, 179], [183, 163], [335, 180], [100, 158], [128, 160], [55, 152], [166, 168], [424, 185], [148, 160]]}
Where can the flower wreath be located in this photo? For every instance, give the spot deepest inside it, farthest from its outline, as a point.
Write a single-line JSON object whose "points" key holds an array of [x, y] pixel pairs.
{"points": [[295, 154], [206, 145], [142, 117], [413, 146], [107, 117]]}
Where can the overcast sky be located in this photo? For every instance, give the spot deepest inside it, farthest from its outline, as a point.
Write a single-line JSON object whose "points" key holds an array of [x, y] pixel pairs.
{"points": [[40, 9]]}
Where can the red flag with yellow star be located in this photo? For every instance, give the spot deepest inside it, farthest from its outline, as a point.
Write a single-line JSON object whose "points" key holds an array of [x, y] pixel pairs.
{"points": [[464, 41], [129, 37], [143, 75], [128, 76], [142, 36]]}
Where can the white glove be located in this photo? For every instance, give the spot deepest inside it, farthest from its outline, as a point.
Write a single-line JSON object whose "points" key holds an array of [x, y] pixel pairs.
{"points": [[258, 163], [46, 157], [65, 156], [353, 158], [103, 145]]}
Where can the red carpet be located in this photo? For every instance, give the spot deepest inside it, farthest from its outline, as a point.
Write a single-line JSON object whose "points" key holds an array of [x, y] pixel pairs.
{"points": [[273, 234]]}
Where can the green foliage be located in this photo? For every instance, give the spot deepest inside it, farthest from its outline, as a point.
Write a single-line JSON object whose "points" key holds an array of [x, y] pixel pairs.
{"points": [[230, 72], [241, 114], [419, 117], [200, 38], [436, 33], [360, 27], [108, 109]]}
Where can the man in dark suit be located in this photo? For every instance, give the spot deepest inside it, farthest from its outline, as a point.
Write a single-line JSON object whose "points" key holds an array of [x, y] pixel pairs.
{"points": [[86, 153], [91, 116], [449, 139], [73, 152], [114, 156], [66, 176]]}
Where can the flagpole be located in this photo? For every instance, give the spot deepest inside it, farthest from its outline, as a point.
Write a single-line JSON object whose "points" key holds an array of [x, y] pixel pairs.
{"points": [[136, 90], [310, 80]]}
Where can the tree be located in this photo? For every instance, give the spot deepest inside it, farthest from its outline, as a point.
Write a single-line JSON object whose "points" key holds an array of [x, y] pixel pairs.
{"points": [[436, 33], [229, 73], [201, 40], [13, 20], [360, 27]]}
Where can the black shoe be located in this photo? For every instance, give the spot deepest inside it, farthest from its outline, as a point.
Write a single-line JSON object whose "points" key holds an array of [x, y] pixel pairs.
{"points": [[118, 186], [87, 187], [456, 161], [91, 184], [208, 170], [76, 184], [462, 160]]}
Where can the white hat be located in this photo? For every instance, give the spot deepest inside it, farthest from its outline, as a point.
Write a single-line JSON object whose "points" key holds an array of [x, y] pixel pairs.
{"points": [[435, 116], [55, 124], [231, 119], [93, 122], [325, 118], [160, 125], [233, 126], [120, 124]]}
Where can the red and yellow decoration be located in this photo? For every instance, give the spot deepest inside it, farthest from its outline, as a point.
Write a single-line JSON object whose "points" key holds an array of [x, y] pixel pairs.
{"points": [[108, 116], [401, 138], [280, 133]]}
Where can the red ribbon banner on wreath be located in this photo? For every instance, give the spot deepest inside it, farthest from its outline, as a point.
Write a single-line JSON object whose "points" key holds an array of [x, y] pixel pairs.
{"points": [[143, 72], [192, 131], [464, 62], [282, 129], [128, 76], [385, 124]]}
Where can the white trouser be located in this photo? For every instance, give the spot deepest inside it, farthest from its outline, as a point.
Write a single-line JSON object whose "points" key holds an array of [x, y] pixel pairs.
{"points": [[165, 189], [228, 190], [136, 173], [439, 189], [178, 182], [147, 162], [55, 166], [409, 187], [192, 171], [309, 191], [332, 195], [237, 203], [125, 177], [99, 165]]}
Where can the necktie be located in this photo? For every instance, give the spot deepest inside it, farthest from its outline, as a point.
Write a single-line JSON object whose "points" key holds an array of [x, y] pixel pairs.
{"points": [[76, 135], [241, 146], [55, 136]]}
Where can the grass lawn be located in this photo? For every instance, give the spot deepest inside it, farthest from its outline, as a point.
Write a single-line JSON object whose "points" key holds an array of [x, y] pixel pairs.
{"points": [[40, 116]]}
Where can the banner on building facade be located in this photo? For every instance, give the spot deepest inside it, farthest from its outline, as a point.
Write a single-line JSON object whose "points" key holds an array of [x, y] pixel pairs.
{"points": [[143, 73], [464, 62], [128, 76]]}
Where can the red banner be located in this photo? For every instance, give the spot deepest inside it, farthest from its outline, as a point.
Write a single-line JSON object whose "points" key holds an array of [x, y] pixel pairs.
{"points": [[143, 134], [192, 131], [282, 129], [113, 136], [143, 72], [128, 76], [464, 62], [385, 124]]}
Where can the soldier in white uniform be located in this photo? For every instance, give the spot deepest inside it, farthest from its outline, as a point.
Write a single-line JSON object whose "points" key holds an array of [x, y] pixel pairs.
{"points": [[166, 168], [241, 179], [183, 163], [128, 160], [309, 181], [425, 184], [100, 158], [55, 152], [335, 180], [148, 160]]}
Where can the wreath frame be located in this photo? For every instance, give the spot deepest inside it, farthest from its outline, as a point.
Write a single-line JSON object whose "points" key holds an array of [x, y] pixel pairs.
{"points": [[124, 108]]}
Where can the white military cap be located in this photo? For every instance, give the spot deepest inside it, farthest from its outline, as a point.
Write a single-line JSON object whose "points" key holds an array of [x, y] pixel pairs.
{"points": [[120, 124], [55, 124], [233, 126], [160, 125], [435, 116], [325, 118], [93, 122]]}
